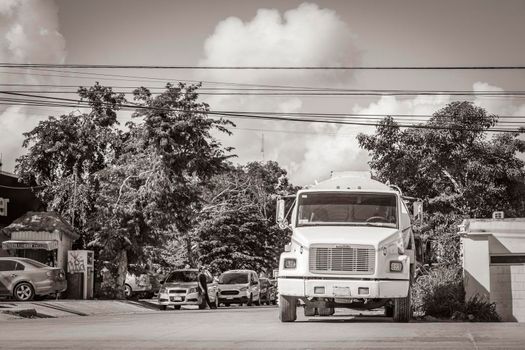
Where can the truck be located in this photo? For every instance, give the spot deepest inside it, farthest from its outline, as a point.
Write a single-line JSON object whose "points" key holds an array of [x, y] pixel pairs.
{"points": [[352, 246]]}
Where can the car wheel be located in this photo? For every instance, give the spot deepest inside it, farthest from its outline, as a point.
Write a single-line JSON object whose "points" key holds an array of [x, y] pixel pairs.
{"points": [[128, 292], [24, 292], [177, 307], [250, 301], [216, 301], [162, 307], [227, 304]]}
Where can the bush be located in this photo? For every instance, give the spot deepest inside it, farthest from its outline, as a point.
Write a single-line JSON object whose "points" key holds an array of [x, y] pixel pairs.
{"points": [[439, 292]]}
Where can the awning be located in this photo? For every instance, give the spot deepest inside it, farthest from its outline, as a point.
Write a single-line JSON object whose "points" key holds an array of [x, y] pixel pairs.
{"points": [[47, 245]]}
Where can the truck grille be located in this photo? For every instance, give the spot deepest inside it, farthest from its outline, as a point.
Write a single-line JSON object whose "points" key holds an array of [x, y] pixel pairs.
{"points": [[345, 259]]}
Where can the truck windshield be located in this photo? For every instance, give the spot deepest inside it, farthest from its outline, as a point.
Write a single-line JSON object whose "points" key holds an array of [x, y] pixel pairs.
{"points": [[182, 276], [233, 278], [336, 208]]}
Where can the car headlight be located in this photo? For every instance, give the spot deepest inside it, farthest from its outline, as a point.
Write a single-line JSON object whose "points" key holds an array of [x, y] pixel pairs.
{"points": [[290, 263], [162, 290], [193, 290], [243, 289]]}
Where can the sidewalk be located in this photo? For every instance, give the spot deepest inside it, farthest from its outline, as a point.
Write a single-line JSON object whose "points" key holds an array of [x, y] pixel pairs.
{"points": [[12, 310]]}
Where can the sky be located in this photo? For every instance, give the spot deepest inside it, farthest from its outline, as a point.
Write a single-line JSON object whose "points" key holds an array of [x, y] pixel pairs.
{"points": [[279, 33]]}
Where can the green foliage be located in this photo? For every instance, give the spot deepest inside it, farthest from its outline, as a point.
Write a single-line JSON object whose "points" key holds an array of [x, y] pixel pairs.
{"points": [[455, 169], [65, 152], [132, 191], [237, 224], [439, 292]]}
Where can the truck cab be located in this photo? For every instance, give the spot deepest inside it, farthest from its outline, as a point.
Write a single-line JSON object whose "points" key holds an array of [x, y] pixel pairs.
{"points": [[352, 246]]}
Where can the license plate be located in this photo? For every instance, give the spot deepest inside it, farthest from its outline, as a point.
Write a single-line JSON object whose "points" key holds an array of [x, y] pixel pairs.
{"points": [[342, 291], [176, 299]]}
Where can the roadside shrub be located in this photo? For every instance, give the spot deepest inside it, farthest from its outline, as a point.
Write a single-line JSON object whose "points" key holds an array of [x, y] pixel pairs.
{"points": [[439, 292]]}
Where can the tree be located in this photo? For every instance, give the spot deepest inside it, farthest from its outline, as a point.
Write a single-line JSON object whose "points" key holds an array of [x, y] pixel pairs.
{"points": [[65, 152], [453, 166], [153, 191], [237, 224]]}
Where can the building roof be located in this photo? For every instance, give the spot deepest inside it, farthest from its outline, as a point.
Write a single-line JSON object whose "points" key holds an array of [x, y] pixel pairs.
{"points": [[492, 226], [47, 221]]}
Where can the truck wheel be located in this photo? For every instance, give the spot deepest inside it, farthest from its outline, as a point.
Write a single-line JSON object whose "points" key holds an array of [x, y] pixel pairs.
{"points": [[309, 311], [402, 309], [402, 306], [287, 308], [325, 311]]}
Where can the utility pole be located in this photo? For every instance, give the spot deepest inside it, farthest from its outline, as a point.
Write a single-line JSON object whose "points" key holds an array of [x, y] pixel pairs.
{"points": [[262, 145]]}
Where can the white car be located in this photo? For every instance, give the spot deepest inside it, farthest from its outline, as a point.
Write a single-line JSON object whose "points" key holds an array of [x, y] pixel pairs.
{"points": [[139, 284], [239, 287], [181, 287]]}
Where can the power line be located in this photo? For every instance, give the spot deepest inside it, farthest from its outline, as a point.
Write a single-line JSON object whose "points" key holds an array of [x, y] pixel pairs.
{"points": [[254, 115], [114, 66]]}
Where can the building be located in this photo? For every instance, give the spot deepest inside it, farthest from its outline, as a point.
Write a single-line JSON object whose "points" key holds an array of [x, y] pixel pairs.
{"points": [[16, 199], [42, 236], [494, 263]]}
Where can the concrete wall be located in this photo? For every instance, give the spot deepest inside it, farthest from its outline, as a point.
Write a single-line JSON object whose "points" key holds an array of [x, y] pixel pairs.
{"points": [[508, 291]]}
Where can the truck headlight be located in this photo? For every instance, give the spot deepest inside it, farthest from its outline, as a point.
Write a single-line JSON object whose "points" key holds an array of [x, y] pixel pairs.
{"points": [[290, 263], [396, 266]]}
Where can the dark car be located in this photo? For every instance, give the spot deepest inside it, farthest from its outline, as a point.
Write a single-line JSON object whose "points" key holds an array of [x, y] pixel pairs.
{"points": [[24, 278], [181, 287]]}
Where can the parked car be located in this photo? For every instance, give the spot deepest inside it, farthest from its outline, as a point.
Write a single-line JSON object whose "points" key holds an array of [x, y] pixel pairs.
{"points": [[24, 279], [140, 285], [181, 287], [239, 287]]}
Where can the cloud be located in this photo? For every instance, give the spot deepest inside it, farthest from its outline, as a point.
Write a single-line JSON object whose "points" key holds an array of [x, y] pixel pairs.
{"points": [[29, 33], [305, 36]]}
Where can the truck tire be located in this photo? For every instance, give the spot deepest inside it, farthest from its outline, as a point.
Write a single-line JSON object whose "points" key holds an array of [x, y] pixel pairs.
{"points": [[326, 311], [403, 306], [309, 311], [287, 308]]}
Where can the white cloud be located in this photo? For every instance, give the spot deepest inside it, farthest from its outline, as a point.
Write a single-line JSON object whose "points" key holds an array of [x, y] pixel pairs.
{"points": [[304, 36], [29, 33]]}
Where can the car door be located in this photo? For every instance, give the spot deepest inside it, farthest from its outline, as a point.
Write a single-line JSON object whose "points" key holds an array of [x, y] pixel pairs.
{"points": [[7, 275]]}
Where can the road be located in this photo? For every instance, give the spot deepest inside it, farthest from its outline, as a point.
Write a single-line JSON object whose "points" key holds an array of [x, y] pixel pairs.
{"points": [[252, 328]]}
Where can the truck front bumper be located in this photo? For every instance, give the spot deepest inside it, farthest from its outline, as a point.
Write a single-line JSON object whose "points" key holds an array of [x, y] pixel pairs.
{"points": [[342, 288]]}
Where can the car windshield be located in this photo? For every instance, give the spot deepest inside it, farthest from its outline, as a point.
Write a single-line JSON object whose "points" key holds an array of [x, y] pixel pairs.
{"points": [[33, 263], [182, 276], [336, 208], [233, 278]]}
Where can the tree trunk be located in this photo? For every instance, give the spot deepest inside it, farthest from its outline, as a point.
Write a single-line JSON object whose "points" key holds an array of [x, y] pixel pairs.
{"points": [[114, 277]]}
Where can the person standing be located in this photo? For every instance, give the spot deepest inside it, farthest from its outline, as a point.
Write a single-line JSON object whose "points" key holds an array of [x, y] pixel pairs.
{"points": [[203, 286]]}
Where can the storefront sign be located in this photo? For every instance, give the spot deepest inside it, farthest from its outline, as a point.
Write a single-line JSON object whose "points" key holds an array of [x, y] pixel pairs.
{"points": [[47, 245]]}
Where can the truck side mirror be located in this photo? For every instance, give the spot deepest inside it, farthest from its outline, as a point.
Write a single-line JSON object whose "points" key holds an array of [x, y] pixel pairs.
{"points": [[418, 211], [280, 215]]}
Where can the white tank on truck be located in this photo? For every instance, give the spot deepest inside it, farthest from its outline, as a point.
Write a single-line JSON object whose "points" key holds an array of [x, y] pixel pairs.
{"points": [[352, 246]]}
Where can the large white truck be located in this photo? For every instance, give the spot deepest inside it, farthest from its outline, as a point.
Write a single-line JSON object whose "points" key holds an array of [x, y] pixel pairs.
{"points": [[352, 246]]}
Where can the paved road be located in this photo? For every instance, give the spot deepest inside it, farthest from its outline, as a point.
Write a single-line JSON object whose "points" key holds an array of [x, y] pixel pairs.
{"points": [[252, 328]]}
